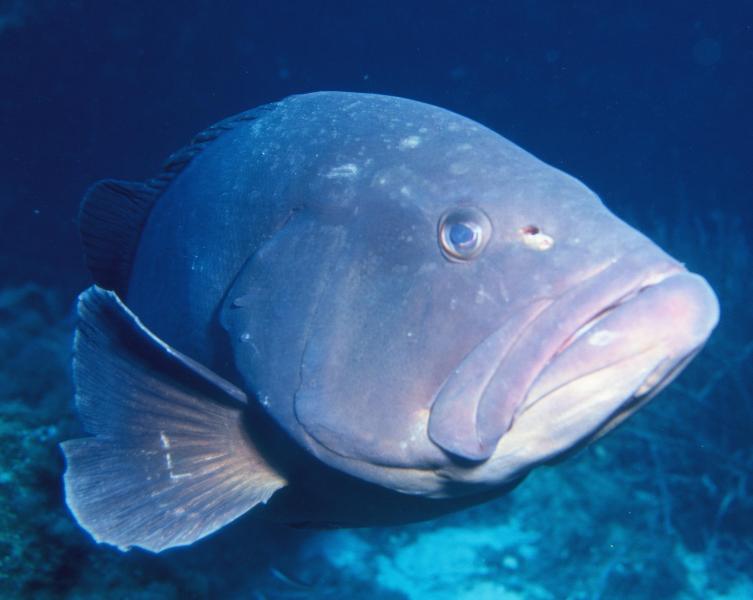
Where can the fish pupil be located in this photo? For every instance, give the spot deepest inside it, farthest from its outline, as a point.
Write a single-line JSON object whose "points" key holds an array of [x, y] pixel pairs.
{"points": [[462, 235]]}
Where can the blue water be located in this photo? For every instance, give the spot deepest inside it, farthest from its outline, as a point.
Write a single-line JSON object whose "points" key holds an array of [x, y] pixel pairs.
{"points": [[648, 105]]}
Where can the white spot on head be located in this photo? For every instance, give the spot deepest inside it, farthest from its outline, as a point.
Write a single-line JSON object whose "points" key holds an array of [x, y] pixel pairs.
{"points": [[196, 264], [418, 428], [410, 142], [405, 191], [503, 292], [242, 301], [245, 336], [346, 170], [482, 295], [603, 337], [459, 168]]}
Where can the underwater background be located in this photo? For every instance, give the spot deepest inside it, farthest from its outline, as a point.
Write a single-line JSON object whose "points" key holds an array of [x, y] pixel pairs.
{"points": [[648, 103]]}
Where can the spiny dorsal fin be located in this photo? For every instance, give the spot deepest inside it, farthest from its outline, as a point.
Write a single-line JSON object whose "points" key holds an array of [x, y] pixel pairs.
{"points": [[112, 217], [113, 213]]}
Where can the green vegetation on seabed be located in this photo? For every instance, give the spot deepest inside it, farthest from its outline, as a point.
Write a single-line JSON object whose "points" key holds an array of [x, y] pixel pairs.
{"points": [[658, 508]]}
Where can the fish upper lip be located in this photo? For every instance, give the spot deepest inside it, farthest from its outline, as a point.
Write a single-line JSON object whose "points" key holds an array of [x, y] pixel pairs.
{"points": [[652, 280]]}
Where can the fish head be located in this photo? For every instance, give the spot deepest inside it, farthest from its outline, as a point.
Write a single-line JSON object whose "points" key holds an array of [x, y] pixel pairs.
{"points": [[443, 307]]}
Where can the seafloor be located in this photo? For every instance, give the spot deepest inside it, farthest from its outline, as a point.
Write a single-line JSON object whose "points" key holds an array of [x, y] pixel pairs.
{"points": [[660, 508]]}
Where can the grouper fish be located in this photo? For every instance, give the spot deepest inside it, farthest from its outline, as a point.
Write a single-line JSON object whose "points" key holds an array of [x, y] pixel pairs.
{"points": [[349, 309]]}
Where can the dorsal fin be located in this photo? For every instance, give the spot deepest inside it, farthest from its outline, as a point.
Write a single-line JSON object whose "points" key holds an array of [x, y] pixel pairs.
{"points": [[111, 219], [113, 213]]}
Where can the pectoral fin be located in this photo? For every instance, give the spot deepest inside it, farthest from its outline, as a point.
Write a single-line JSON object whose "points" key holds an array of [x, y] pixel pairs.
{"points": [[170, 460]]}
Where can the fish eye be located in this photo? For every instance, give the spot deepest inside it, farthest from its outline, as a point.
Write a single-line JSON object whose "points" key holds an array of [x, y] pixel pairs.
{"points": [[463, 233]]}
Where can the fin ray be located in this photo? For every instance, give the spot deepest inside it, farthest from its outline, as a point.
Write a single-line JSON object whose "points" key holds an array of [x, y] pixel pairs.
{"points": [[170, 461]]}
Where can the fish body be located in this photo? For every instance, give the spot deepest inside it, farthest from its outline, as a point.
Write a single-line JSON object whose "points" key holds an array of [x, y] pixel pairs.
{"points": [[372, 290]]}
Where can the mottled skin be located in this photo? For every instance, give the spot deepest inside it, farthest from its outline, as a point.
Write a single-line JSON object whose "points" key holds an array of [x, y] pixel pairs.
{"points": [[298, 256]]}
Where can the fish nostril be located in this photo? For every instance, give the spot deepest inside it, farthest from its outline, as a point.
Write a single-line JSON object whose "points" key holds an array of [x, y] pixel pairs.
{"points": [[536, 239]]}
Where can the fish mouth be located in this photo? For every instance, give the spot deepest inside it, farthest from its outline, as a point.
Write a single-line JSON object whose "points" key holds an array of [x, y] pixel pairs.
{"points": [[659, 326], [629, 326]]}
